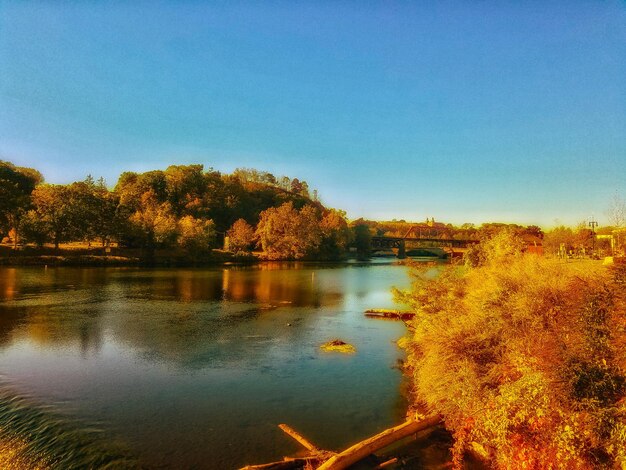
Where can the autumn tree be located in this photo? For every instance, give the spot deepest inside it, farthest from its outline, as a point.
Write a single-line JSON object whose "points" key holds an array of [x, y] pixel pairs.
{"points": [[534, 230], [557, 237], [499, 244], [84, 210], [287, 233], [240, 236], [284, 182], [296, 186], [106, 223], [185, 187], [92, 212], [336, 235], [197, 236], [131, 187], [153, 223], [221, 200], [250, 175], [57, 214], [158, 208]]}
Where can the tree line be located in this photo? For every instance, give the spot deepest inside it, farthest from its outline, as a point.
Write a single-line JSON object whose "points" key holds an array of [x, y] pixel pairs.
{"points": [[183, 207], [578, 240], [194, 209]]}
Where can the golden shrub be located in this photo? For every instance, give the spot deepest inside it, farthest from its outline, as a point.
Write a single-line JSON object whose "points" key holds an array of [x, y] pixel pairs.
{"points": [[524, 359]]}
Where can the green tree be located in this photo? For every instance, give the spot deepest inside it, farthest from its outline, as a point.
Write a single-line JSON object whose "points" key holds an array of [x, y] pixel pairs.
{"points": [[185, 186], [106, 223], [362, 240], [34, 229], [57, 208], [16, 187]]}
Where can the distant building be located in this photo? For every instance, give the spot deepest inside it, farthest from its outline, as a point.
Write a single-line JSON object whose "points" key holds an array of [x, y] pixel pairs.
{"points": [[428, 229], [615, 239], [534, 244]]}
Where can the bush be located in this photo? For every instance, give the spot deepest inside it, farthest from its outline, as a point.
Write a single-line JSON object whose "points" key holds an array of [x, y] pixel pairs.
{"points": [[524, 359]]}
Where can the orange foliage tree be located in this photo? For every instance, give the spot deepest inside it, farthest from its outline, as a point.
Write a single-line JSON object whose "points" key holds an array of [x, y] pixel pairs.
{"points": [[287, 233], [240, 236]]}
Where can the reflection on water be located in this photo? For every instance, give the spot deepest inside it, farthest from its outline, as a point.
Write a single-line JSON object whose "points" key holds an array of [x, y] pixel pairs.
{"points": [[195, 368]]}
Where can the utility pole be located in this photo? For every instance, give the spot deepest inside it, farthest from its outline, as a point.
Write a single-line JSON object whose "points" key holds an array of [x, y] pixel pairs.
{"points": [[593, 224]]}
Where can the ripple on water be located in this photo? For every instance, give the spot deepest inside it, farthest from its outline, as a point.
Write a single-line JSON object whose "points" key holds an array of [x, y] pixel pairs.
{"points": [[34, 436]]}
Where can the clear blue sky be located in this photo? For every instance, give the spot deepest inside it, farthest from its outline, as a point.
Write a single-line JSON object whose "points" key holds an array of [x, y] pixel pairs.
{"points": [[465, 111]]}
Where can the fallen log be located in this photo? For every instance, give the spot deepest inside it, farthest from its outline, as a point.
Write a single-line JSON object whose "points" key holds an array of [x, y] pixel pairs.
{"points": [[303, 441], [312, 460], [288, 464], [370, 445], [387, 313], [326, 460]]}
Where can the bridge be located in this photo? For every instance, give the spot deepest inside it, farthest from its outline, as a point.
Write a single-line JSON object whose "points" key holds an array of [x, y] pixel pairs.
{"points": [[399, 243]]}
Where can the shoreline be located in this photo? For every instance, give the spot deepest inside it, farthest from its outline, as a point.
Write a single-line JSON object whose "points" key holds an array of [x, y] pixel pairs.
{"points": [[164, 262], [134, 257]]}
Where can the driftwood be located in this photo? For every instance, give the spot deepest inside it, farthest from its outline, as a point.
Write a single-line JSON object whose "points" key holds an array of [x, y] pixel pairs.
{"points": [[389, 314], [386, 463], [379, 441], [326, 460], [287, 464], [312, 460], [303, 441]]}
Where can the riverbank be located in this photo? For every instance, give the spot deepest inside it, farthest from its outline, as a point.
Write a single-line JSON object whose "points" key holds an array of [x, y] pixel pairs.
{"points": [[81, 255], [508, 350], [127, 257]]}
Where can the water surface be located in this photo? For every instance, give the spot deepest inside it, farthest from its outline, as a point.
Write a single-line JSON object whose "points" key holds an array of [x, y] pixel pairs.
{"points": [[194, 368]]}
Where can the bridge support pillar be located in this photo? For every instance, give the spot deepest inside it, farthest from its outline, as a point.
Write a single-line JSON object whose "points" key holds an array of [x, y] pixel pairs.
{"points": [[402, 250]]}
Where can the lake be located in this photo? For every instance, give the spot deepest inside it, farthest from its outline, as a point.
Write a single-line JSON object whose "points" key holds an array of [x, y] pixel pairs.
{"points": [[194, 368]]}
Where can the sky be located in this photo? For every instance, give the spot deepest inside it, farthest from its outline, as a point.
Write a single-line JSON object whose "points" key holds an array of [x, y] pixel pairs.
{"points": [[465, 111]]}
